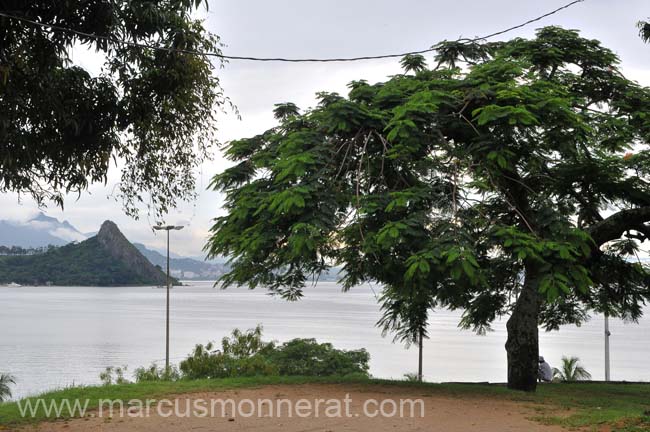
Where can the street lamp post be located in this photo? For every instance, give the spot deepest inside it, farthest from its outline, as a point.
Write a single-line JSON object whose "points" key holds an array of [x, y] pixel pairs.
{"points": [[607, 335], [420, 344], [167, 228]]}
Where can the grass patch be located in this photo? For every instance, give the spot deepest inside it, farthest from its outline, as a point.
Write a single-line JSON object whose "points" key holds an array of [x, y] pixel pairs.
{"points": [[622, 407]]}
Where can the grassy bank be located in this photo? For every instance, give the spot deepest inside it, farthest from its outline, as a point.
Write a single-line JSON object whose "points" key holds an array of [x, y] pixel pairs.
{"points": [[623, 407]]}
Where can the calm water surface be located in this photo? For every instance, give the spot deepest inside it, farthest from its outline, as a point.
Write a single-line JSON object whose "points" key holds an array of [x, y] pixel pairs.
{"points": [[51, 337]]}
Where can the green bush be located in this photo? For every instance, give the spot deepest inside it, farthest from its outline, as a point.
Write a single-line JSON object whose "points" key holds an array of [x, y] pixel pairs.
{"points": [[156, 373], [252, 366], [411, 377], [246, 354], [306, 357], [245, 344], [219, 365], [241, 354], [202, 363], [107, 377]]}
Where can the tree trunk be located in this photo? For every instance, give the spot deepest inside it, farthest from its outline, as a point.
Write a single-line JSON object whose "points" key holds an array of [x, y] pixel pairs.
{"points": [[523, 338]]}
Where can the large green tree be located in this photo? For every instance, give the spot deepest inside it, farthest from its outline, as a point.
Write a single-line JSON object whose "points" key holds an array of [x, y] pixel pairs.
{"points": [[149, 110], [511, 179]]}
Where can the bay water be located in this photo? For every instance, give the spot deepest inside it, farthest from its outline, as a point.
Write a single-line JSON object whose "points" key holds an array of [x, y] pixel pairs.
{"points": [[53, 337]]}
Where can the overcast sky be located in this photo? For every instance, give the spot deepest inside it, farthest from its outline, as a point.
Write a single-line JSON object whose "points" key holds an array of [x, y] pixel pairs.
{"points": [[334, 28]]}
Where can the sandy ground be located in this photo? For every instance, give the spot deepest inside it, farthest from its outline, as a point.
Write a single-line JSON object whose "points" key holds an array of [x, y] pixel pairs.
{"points": [[435, 413]]}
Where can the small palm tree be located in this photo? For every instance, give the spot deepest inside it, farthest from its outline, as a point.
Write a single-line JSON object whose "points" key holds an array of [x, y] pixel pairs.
{"points": [[5, 381], [571, 371]]}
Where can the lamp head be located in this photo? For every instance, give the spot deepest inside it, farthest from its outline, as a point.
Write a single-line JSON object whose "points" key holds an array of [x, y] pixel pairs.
{"points": [[168, 227]]}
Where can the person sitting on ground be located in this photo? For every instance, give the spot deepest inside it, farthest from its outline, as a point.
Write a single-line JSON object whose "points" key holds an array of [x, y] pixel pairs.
{"points": [[545, 371]]}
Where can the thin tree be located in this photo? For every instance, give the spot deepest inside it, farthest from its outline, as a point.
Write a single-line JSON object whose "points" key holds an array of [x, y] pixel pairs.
{"points": [[405, 313]]}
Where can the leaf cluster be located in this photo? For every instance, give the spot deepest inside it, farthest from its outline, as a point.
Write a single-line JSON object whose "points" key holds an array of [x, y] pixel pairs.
{"points": [[151, 112], [447, 186]]}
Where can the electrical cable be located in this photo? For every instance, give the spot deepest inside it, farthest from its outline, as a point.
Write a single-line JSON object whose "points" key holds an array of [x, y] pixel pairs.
{"points": [[279, 59]]}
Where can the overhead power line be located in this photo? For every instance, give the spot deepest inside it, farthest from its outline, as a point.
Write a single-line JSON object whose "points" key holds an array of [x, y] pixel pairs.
{"points": [[277, 59]]}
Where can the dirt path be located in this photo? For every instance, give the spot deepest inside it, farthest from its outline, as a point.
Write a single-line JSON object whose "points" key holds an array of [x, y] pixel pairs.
{"points": [[342, 408]]}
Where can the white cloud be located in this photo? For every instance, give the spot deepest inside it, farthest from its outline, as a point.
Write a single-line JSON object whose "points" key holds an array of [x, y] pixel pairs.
{"points": [[67, 234]]}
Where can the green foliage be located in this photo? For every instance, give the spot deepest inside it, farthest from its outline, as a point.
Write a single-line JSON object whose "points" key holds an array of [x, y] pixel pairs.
{"points": [[156, 373], [458, 187], [244, 344], [450, 53], [6, 381], [412, 377], [83, 264], [17, 250], [245, 354], [644, 30], [241, 354], [561, 260], [113, 375], [116, 375], [285, 110], [571, 371], [154, 110], [413, 63], [306, 357]]}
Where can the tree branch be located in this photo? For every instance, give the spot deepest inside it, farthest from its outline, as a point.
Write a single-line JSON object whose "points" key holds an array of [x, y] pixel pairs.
{"points": [[613, 227]]}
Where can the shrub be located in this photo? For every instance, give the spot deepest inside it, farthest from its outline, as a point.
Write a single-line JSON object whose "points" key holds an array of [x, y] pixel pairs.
{"points": [[307, 357], [252, 366], [241, 354], [203, 363], [107, 377], [246, 354], [245, 344], [412, 377], [155, 373]]}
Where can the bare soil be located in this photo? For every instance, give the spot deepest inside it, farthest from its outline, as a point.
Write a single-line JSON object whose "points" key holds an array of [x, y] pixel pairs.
{"points": [[439, 413]]}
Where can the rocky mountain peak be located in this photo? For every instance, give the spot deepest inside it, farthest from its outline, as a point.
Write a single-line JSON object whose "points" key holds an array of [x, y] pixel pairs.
{"points": [[117, 245], [107, 259], [110, 229]]}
